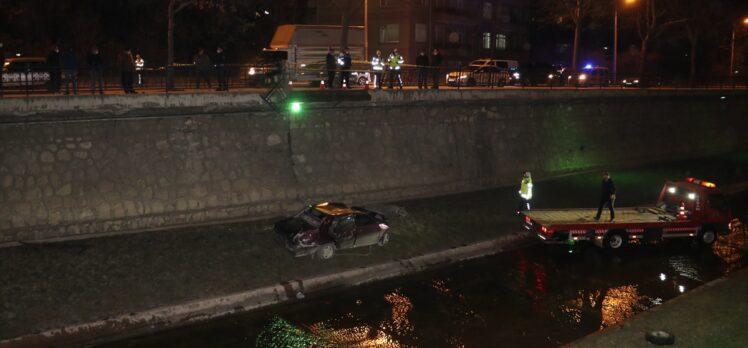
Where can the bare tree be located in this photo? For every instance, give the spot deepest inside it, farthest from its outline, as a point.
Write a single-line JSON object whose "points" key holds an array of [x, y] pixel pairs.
{"points": [[650, 23], [347, 9], [572, 13], [699, 16]]}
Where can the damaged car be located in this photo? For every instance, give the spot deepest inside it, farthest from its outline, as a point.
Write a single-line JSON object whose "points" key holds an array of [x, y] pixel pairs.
{"points": [[322, 229]]}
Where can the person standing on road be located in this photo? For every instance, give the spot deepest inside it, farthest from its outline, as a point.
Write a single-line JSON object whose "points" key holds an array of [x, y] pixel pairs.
{"points": [[395, 60], [69, 66], [202, 68], [127, 67], [330, 65], [221, 72], [377, 65], [607, 197], [139, 68], [53, 64], [423, 65], [525, 192], [345, 68], [436, 62], [95, 70]]}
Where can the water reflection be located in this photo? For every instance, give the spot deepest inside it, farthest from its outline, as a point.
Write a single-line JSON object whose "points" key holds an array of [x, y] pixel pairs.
{"points": [[531, 297]]}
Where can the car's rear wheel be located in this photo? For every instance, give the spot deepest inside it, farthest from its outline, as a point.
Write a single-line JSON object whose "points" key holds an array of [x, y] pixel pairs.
{"points": [[614, 240], [707, 236], [325, 251], [362, 81], [384, 239]]}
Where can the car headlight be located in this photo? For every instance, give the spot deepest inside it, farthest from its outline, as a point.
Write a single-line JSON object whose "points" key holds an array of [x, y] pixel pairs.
{"points": [[636, 81], [625, 81], [550, 76], [582, 77], [516, 75], [252, 71]]}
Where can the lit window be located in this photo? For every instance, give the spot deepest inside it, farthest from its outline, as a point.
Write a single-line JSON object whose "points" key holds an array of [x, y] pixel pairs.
{"points": [[389, 33], [487, 10], [486, 40], [500, 41]]}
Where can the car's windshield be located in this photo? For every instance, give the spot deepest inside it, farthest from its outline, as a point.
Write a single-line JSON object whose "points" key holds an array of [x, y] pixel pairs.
{"points": [[311, 216]]}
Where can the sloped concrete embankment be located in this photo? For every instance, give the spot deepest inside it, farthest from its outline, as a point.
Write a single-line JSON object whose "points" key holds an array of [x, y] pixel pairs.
{"points": [[83, 166]]}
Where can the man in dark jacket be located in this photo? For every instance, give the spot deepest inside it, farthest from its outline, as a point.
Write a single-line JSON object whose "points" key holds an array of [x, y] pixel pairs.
{"points": [[423, 67], [607, 197], [331, 65], [221, 71], [202, 68], [436, 62], [53, 64], [95, 70], [127, 67], [69, 66], [345, 68]]}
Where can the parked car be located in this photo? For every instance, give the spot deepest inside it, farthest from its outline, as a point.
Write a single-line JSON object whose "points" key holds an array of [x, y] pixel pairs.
{"points": [[630, 82], [264, 69], [534, 74], [322, 229], [485, 72], [593, 76], [25, 72]]}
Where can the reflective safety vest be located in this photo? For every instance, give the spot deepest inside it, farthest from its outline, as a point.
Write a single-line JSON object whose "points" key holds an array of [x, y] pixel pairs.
{"points": [[525, 189], [139, 64], [377, 63], [394, 60]]}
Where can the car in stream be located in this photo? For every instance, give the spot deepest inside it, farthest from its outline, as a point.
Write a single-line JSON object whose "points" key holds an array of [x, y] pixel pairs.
{"points": [[322, 229], [25, 72]]}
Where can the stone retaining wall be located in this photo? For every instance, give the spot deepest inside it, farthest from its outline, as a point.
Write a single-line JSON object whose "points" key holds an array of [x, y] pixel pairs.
{"points": [[64, 175]]}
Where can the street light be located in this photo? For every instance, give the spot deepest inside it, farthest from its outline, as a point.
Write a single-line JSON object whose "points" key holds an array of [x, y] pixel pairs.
{"points": [[615, 37], [732, 46]]}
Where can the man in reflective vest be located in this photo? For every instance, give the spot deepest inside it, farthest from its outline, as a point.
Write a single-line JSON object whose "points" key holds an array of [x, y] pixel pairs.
{"points": [[139, 67], [345, 62], [394, 61], [377, 64], [525, 192]]}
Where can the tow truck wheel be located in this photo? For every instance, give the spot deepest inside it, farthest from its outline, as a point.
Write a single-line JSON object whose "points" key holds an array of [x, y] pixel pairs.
{"points": [[384, 239], [362, 81], [614, 240], [326, 251], [707, 236]]}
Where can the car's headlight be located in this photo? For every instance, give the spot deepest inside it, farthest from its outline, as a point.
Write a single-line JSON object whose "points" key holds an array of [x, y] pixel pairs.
{"points": [[550, 76], [516, 75], [636, 81], [582, 77], [625, 81], [252, 71]]}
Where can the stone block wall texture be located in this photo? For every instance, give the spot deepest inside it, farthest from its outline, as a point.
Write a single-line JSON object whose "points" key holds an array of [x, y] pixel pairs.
{"points": [[75, 177]]}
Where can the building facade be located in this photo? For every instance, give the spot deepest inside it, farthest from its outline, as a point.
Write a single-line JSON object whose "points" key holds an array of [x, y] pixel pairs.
{"points": [[463, 30]]}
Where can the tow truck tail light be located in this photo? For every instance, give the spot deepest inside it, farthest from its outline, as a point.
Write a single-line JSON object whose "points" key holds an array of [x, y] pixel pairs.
{"points": [[528, 220], [546, 230]]}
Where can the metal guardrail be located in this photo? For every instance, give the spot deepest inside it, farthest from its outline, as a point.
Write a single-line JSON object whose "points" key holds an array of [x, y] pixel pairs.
{"points": [[187, 78]]}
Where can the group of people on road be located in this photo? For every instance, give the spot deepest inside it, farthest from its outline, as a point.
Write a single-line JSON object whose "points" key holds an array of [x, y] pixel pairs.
{"points": [[63, 70], [391, 65], [204, 66], [607, 195]]}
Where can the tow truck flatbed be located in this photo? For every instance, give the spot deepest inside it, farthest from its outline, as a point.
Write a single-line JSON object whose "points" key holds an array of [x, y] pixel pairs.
{"points": [[685, 209]]}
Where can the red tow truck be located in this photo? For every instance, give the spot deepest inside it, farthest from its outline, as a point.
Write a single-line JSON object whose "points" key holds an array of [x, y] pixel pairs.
{"points": [[691, 208]]}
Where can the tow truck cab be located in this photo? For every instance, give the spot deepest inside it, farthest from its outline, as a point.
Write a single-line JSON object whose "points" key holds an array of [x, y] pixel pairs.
{"points": [[696, 200], [690, 208]]}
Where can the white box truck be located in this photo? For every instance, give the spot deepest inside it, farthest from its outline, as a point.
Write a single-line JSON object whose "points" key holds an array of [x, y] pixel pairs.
{"points": [[306, 47]]}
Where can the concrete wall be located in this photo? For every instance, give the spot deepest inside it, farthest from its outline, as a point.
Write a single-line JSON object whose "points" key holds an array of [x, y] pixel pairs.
{"points": [[80, 168]]}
